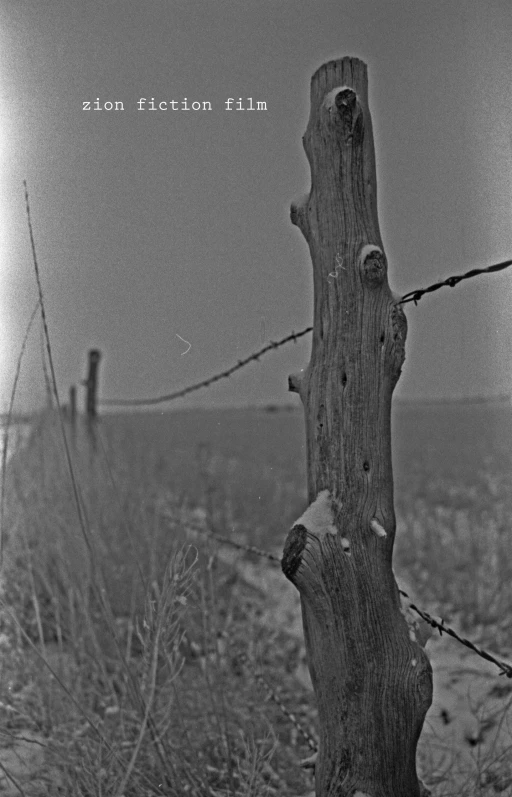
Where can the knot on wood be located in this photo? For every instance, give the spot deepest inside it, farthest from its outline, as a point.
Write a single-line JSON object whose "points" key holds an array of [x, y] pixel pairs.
{"points": [[294, 383], [349, 114], [399, 324], [299, 214], [345, 99], [292, 551], [373, 266], [94, 356]]}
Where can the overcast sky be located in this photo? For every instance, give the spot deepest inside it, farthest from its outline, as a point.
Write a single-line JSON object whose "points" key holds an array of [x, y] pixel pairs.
{"points": [[152, 226]]}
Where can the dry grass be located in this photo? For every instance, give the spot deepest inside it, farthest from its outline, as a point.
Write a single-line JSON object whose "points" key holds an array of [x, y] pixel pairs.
{"points": [[121, 641]]}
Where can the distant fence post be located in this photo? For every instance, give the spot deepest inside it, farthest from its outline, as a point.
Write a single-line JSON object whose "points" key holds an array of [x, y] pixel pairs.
{"points": [[72, 408], [91, 384], [372, 679], [72, 403]]}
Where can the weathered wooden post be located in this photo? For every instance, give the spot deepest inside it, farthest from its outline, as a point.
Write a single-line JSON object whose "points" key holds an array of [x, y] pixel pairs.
{"points": [[91, 384], [72, 405], [372, 680], [72, 411]]}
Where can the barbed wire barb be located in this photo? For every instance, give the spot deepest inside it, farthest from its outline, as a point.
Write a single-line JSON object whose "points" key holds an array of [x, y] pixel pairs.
{"points": [[506, 669]]}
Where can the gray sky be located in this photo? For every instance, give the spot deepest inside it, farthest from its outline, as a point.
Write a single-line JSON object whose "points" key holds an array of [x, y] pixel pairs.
{"points": [[151, 225]]}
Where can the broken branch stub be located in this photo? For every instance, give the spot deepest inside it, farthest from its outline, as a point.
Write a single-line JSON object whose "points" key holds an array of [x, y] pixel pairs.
{"points": [[373, 681]]}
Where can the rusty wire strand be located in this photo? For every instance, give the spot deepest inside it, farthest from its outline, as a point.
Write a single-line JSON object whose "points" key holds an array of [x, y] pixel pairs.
{"points": [[413, 296], [505, 668]]}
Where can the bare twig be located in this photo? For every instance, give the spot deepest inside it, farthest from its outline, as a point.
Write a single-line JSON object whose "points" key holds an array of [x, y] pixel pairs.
{"points": [[76, 493]]}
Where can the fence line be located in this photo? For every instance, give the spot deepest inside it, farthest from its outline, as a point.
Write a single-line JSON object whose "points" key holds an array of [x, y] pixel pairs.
{"points": [[439, 624], [412, 296], [504, 667]]}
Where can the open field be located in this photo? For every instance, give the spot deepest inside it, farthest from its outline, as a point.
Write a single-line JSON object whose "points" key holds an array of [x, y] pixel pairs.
{"points": [[144, 622]]}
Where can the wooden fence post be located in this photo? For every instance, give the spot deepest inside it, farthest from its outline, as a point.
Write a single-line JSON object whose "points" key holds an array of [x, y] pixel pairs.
{"points": [[72, 405], [72, 410], [372, 680], [91, 384]]}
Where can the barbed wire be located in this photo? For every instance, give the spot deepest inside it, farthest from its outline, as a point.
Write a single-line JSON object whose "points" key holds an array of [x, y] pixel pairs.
{"points": [[506, 669], [412, 296], [415, 296], [440, 625], [240, 364], [241, 546]]}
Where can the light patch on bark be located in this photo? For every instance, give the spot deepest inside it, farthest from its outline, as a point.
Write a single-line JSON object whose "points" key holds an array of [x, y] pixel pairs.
{"points": [[345, 544], [379, 530], [301, 201], [318, 518], [331, 95], [367, 250], [310, 762]]}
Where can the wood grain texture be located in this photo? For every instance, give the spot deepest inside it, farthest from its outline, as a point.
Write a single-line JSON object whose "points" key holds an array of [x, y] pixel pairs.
{"points": [[373, 682]]}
